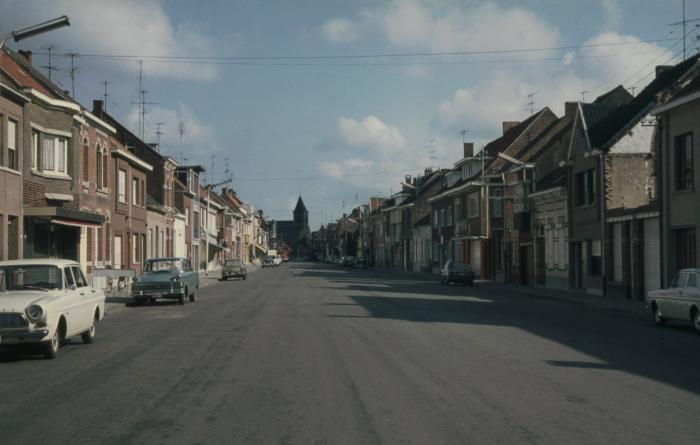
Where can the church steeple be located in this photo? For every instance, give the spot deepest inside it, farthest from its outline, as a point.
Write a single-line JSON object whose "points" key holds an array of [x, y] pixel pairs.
{"points": [[301, 215]]}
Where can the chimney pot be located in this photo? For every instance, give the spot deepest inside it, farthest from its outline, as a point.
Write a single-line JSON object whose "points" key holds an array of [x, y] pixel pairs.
{"points": [[507, 125], [570, 108], [26, 54], [97, 107], [468, 149]]}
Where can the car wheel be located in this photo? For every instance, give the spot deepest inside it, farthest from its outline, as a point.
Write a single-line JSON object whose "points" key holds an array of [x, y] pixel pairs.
{"points": [[89, 335], [181, 298], [695, 313], [52, 346], [658, 319], [245, 277], [193, 297]]}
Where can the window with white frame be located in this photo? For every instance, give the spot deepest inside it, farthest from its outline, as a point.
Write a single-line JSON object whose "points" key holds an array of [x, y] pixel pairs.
{"points": [[442, 217], [35, 149], [458, 208], [134, 249], [54, 155], [12, 145], [449, 216], [497, 203], [473, 204], [121, 186], [135, 191]]}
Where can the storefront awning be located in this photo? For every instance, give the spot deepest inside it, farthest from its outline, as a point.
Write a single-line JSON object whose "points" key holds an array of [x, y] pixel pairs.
{"points": [[74, 223], [64, 214], [260, 249]]}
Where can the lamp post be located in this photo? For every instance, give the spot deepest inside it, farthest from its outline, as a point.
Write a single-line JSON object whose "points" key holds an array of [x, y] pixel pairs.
{"points": [[40, 28]]}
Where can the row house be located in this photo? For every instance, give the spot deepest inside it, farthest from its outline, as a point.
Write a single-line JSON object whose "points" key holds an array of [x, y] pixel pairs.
{"points": [[12, 103], [187, 200], [426, 187], [678, 163], [614, 213], [46, 150]]}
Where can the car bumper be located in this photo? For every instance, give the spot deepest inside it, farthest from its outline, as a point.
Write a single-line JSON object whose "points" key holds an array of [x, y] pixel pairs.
{"points": [[154, 294], [232, 274], [23, 336]]}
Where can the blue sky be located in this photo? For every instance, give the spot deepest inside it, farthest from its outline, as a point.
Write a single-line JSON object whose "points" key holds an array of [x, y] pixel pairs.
{"points": [[340, 130]]}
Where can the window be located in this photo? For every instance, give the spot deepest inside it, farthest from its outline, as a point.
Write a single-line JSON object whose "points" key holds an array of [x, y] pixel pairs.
{"points": [[442, 217], [80, 280], [121, 187], [99, 161], [86, 161], [68, 277], [692, 280], [435, 218], [135, 191], [105, 170], [134, 249], [449, 216], [54, 154], [458, 209], [473, 205], [497, 203], [11, 145], [685, 248], [684, 161], [35, 149], [585, 188]]}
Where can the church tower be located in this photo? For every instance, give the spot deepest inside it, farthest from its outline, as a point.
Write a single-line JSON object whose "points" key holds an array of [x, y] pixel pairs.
{"points": [[301, 215]]}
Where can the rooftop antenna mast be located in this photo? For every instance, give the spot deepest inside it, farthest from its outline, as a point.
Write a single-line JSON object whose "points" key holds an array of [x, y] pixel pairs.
{"points": [[531, 102], [73, 70], [181, 132], [583, 95], [50, 67], [142, 103], [683, 24], [158, 133], [104, 95]]}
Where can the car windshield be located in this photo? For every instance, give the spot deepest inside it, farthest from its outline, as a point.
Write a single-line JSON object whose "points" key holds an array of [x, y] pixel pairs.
{"points": [[164, 266], [20, 277], [232, 263]]}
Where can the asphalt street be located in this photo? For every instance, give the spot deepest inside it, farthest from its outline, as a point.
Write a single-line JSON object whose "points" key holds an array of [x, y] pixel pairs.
{"points": [[316, 354]]}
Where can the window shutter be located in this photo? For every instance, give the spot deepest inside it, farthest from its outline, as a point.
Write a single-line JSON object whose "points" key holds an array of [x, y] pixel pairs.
{"points": [[100, 240], [86, 164], [105, 170]]}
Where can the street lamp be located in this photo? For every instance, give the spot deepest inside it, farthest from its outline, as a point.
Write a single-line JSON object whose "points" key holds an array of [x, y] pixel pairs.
{"points": [[40, 28]]}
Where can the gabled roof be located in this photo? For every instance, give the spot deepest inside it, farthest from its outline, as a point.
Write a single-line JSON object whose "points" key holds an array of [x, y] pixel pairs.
{"points": [[20, 71], [602, 134]]}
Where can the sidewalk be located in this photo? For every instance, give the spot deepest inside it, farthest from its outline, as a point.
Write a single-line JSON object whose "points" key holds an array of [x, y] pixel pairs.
{"points": [[117, 301], [613, 304]]}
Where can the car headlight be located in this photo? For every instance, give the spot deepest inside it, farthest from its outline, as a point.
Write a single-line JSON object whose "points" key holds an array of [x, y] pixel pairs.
{"points": [[35, 313], [175, 279]]}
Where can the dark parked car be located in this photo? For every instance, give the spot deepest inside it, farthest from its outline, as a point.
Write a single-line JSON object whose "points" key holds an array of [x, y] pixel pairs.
{"points": [[457, 273], [233, 269], [166, 278], [348, 261], [269, 261]]}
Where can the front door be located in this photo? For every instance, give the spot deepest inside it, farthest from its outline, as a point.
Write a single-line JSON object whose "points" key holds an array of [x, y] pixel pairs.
{"points": [[117, 252]]}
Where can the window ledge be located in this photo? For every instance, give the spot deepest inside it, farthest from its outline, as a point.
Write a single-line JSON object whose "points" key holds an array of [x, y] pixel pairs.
{"points": [[11, 170], [61, 176]]}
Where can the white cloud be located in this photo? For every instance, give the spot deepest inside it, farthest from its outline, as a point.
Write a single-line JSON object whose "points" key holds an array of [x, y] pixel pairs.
{"points": [[129, 27], [371, 133], [340, 31]]}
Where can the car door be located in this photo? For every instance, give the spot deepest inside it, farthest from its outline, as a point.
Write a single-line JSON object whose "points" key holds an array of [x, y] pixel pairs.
{"points": [[691, 293], [191, 276], [85, 299], [675, 298], [71, 303]]}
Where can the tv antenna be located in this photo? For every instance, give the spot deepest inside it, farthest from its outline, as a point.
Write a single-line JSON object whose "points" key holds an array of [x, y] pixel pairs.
{"points": [[583, 95], [531, 102], [50, 67], [142, 102], [73, 70], [683, 24], [104, 95], [158, 133]]}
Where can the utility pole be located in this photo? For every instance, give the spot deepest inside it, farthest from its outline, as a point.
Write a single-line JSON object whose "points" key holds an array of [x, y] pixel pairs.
{"points": [[73, 70], [104, 95]]}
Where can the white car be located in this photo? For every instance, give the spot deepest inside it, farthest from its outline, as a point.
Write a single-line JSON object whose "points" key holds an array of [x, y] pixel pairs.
{"points": [[681, 301], [45, 301]]}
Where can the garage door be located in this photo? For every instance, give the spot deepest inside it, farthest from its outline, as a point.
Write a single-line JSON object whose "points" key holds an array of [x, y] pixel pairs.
{"points": [[652, 272]]}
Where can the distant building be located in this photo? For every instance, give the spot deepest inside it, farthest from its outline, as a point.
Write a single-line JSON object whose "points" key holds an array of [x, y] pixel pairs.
{"points": [[295, 233]]}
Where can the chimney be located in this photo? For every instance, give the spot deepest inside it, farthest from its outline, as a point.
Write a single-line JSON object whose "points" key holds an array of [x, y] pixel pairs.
{"points": [[415, 179], [660, 69], [468, 149], [570, 108], [427, 171], [97, 107], [26, 54], [507, 125], [408, 179]]}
